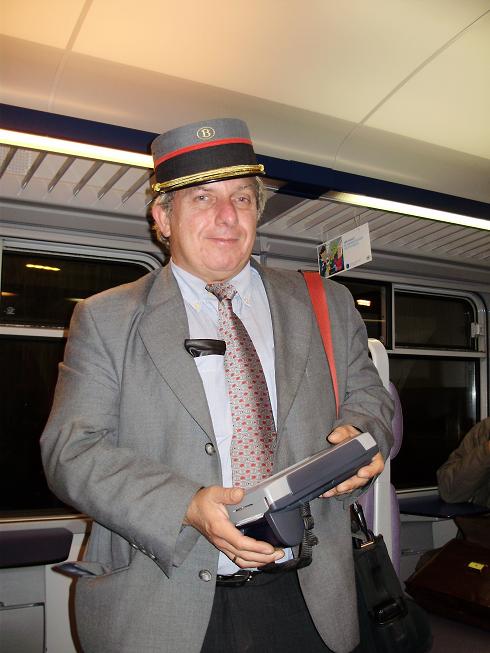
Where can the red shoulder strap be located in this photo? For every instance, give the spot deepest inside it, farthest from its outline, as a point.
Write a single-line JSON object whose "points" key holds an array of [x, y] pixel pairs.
{"points": [[319, 301]]}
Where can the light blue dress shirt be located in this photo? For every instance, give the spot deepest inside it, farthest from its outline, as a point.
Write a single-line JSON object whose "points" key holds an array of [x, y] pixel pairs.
{"points": [[252, 307]]}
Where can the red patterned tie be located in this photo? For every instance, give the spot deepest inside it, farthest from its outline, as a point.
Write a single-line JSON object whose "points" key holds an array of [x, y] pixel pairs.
{"points": [[254, 432]]}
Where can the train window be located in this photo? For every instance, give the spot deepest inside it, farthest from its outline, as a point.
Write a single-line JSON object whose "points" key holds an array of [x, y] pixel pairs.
{"points": [[436, 366], [42, 290], [372, 302], [36, 305], [438, 322], [27, 382], [439, 399]]}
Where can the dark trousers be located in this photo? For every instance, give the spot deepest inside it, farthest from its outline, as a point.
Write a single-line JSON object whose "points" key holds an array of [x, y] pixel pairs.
{"points": [[268, 615]]}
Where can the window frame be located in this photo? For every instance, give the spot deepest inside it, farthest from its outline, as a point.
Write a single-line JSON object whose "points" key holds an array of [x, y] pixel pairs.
{"points": [[471, 297]]}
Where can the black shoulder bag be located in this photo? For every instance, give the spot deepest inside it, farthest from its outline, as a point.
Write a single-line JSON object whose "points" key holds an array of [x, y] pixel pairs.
{"points": [[389, 620]]}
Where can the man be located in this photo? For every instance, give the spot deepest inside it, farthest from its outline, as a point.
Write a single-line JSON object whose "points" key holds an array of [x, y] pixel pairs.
{"points": [[465, 476], [144, 438]]}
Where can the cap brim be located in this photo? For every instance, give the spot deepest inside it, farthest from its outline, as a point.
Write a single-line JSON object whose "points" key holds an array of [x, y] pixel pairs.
{"points": [[219, 174]]}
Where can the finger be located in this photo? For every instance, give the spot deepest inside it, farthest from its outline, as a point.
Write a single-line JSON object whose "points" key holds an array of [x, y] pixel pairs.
{"points": [[349, 485], [248, 546], [375, 467], [246, 560], [276, 554], [227, 536], [342, 433], [228, 495], [354, 483], [365, 473], [360, 479]]}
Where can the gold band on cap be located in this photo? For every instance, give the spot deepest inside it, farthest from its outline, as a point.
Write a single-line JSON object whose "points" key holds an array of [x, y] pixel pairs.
{"points": [[209, 175]]}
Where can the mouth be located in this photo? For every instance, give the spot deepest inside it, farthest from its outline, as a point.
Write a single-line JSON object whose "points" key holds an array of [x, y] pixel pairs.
{"points": [[227, 240]]}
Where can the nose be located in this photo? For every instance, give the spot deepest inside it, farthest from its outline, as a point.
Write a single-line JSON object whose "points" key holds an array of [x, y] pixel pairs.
{"points": [[226, 212]]}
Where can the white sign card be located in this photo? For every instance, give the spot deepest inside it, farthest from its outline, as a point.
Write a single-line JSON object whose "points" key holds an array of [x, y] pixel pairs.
{"points": [[345, 252]]}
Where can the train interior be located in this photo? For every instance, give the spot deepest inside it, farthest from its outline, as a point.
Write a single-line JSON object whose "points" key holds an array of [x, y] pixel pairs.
{"points": [[368, 117]]}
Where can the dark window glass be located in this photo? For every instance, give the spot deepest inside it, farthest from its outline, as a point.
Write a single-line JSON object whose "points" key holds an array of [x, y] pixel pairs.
{"points": [[433, 321], [27, 381], [371, 302], [38, 297], [438, 397], [42, 290]]}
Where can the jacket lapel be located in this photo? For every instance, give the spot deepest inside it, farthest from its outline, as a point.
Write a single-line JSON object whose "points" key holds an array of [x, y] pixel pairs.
{"points": [[292, 325], [163, 329]]}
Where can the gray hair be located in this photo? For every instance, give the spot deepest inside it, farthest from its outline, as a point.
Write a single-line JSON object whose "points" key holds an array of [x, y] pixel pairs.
{"points": [[165, 200]]}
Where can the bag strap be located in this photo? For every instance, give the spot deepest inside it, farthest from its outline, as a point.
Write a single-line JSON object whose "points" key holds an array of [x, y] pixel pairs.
{"points": [[305, 554], [318, 296], [384, 601], [320, 306]]}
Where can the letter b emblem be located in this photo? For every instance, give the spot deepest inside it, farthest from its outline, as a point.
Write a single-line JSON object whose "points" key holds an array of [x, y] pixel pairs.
{"points": [[205, 133]]}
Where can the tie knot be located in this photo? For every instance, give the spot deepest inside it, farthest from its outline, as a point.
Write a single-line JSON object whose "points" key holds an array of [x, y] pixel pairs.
{"points": [[221, 290]]}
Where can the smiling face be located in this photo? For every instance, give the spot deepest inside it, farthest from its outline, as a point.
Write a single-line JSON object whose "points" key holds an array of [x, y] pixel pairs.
{"points": [[211, 228]]}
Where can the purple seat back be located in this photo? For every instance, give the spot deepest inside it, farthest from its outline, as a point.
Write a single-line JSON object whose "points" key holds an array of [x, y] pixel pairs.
{"points": [[367, 500], [397, 423]]}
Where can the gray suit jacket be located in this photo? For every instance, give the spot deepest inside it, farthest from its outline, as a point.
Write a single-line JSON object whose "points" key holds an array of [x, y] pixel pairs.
{"points": [[125, 444]]}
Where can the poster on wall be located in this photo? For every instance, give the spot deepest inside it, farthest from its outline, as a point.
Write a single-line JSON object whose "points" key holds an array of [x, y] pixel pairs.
{"points": [[345, 252]]}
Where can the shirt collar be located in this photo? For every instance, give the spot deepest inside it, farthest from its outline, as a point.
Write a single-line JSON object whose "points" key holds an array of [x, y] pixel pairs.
{"points": [[194, 291]]}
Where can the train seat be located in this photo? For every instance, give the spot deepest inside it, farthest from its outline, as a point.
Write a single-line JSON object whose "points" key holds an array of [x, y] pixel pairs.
{"points": [[367, 500]]}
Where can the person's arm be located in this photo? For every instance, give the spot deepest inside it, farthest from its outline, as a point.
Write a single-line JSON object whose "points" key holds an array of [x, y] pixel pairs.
{"points": [[467, 468], [141, 499], [132, 494], [365, 405]]}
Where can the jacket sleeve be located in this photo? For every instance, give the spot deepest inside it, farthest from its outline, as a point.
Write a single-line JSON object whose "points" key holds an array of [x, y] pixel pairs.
{"points": [[363, 400], [135, 496], [468, 467]]}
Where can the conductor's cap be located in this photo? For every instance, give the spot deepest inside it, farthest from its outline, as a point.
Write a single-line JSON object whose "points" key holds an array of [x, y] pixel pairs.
{"points": [[212, 150]]}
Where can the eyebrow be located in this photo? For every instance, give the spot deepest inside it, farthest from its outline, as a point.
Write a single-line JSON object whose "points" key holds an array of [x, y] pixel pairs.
{"points": [[206, 188]]}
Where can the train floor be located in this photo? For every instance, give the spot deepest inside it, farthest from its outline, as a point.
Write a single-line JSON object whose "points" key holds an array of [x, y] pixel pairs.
{"points": [[455, 637]]}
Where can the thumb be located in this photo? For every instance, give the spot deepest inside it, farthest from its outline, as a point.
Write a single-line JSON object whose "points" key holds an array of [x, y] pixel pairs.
{"points": [[232, 495], [336, 436]]}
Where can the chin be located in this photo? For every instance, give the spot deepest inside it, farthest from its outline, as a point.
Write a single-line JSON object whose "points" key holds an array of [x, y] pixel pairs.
{"points": [[221, 275], [226, 266]]}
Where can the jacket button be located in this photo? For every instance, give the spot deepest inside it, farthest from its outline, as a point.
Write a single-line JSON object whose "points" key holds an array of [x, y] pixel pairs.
{"points": [[209, 448], [205, 575]]}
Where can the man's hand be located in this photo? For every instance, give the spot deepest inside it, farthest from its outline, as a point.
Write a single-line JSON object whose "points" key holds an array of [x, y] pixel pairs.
{"points": [[375, 467], [207, 513]]}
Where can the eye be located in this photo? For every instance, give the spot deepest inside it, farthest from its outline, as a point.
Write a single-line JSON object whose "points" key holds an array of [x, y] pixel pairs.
{"points": [[243, 199], [202, 198]]}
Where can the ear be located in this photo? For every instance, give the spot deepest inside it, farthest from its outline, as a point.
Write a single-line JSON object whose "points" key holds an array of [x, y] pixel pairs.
{"points": [[161, 218]]}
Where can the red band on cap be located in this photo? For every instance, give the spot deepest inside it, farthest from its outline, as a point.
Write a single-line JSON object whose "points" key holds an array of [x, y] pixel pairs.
{"points": [[200, 146]]}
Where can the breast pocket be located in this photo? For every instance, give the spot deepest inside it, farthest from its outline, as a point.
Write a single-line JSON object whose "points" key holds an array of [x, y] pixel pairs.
{"points": [[212, 371]]}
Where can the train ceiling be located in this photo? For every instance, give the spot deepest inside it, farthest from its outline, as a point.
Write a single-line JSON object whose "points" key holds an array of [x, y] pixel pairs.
{"points": [[389, 90]]}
